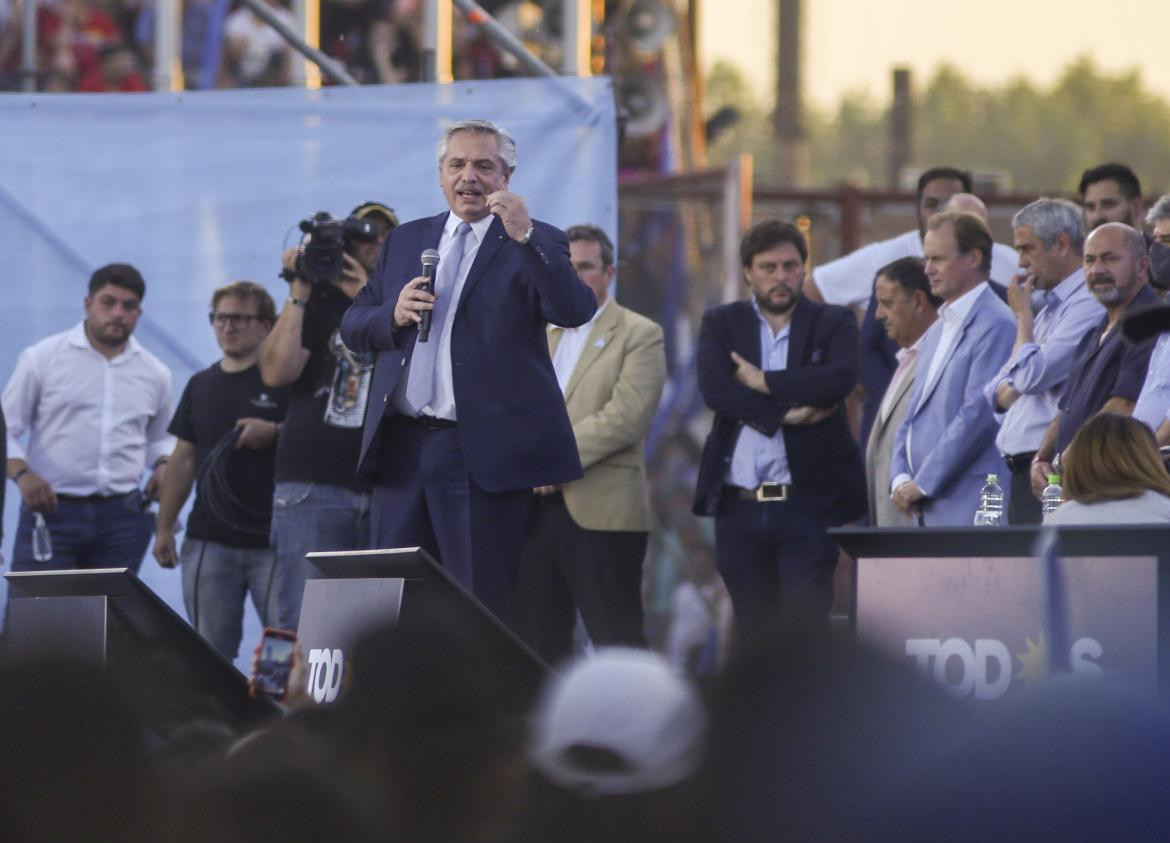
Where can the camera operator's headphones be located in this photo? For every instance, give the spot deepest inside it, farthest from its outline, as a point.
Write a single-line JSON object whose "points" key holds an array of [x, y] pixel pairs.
{"points": [[366, 208]]}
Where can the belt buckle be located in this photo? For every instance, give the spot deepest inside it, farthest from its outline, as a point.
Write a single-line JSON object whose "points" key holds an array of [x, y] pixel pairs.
{"points": [[771, 492]]}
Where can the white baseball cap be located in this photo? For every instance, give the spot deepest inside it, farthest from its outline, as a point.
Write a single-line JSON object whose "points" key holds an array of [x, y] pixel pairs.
{"points": [[618, 721]]}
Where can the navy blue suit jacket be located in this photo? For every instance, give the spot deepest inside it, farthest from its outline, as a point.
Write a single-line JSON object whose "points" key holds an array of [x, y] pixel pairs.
{"points": [[828, 477], [513, 427]]}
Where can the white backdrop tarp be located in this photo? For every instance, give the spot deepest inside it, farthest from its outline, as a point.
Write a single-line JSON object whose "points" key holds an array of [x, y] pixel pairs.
{"points": [[200, 189]]}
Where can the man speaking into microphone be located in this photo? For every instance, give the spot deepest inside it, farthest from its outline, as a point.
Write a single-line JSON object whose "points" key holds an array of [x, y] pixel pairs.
{"points": [[463, 426]]}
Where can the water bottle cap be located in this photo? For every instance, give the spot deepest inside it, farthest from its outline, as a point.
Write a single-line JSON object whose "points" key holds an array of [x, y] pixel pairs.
{"points": [[993, 478], [1054, 479]]}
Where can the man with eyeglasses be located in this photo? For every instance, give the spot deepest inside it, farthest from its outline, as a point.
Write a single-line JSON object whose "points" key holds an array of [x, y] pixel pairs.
{"points": [[95, 406], [226, 425]]}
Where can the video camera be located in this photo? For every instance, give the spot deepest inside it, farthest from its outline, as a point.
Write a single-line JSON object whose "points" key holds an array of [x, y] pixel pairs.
{"points": [[321, 258]]}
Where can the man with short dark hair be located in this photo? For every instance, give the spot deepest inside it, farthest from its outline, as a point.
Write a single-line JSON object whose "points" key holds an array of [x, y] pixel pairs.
{"points": [[780, 465], [906, 308], [585, 540], [1024, 394], [945, 447], [1107, 373], [226, 425], [1111, 193], [95, 405]]}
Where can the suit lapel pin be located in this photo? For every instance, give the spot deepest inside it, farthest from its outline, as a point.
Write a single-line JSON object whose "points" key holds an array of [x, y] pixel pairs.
{"points": [[599, 342]]}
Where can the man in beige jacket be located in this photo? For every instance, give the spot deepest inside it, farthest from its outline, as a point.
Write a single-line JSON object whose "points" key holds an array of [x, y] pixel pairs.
{"points": [[585, 541]]}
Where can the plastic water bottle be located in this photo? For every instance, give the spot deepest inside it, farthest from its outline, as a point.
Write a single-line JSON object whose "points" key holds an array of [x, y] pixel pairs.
{"points": [[1053, 494], [990, 512], [42, 542]]}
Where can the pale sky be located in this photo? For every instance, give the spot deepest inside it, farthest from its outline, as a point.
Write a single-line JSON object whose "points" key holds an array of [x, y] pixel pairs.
{"points": [[854, 44]]}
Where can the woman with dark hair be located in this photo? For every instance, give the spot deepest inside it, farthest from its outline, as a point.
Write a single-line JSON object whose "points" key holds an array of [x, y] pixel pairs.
{"points": [[1113, 474]]}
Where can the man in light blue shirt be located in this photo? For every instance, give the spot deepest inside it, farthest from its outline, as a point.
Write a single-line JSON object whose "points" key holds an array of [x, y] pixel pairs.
{"points": [[1050, 237], [1153, 405]]}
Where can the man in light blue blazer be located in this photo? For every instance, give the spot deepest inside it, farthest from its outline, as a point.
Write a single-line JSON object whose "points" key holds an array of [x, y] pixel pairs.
{"points": [[945, 447]]}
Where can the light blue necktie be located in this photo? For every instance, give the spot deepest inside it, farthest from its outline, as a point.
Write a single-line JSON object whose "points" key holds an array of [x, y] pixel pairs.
{"points": [[420, 385]]}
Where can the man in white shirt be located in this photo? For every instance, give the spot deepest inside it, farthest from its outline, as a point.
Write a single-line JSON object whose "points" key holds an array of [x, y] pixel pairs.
{"points": [[95, 405], [585, 540], [848, 280]]}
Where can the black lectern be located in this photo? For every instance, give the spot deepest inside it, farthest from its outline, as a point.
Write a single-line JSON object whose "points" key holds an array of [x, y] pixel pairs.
{"points": [[978, 608], [351, 592], [108, 616]]}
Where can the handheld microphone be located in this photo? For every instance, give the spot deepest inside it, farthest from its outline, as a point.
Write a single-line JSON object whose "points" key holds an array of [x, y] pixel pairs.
{"points": [[430, 258]]}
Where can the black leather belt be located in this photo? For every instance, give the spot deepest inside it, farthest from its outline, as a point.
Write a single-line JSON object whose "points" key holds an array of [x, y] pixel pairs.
{"points": [[92, 498], [431, 422], [764, 493], [1019, 462]]}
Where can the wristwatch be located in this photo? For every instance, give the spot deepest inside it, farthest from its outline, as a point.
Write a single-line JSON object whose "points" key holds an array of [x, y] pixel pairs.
{"points": [[527, 234], [295, 302]]}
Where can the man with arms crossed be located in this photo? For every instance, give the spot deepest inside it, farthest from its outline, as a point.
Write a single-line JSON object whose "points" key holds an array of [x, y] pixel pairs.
{"points": [[780, 465]]}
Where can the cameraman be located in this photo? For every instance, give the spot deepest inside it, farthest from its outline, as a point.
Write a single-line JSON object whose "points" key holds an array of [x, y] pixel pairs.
{"points": [[318, 505]]}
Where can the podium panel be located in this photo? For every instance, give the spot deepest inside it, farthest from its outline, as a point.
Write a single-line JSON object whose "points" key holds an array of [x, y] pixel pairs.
{"points": [[975, 608], [351, 592], [109, 616]]}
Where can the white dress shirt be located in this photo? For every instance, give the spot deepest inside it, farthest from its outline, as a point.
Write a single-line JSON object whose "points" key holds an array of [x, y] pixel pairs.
{"points": [[93, 424], [572, 343], [950, 319], [951, 315], [443, 403]]}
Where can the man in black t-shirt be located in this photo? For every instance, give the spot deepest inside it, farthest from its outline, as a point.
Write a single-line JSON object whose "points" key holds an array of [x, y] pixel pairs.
{"points": [[226, 425], [318, 503]]}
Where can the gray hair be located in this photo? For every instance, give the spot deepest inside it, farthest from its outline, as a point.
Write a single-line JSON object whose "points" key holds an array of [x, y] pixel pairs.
{"points": [[1051, 217], [1160, 210], [484, 127]]}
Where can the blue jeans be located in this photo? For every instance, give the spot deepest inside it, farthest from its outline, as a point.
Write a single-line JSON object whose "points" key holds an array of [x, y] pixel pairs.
{"points": [[216, 580], [308, 517], [87, 533]]}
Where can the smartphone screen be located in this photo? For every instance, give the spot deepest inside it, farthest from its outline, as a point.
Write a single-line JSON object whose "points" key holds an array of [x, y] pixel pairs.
{"points": [[274, 665]]}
